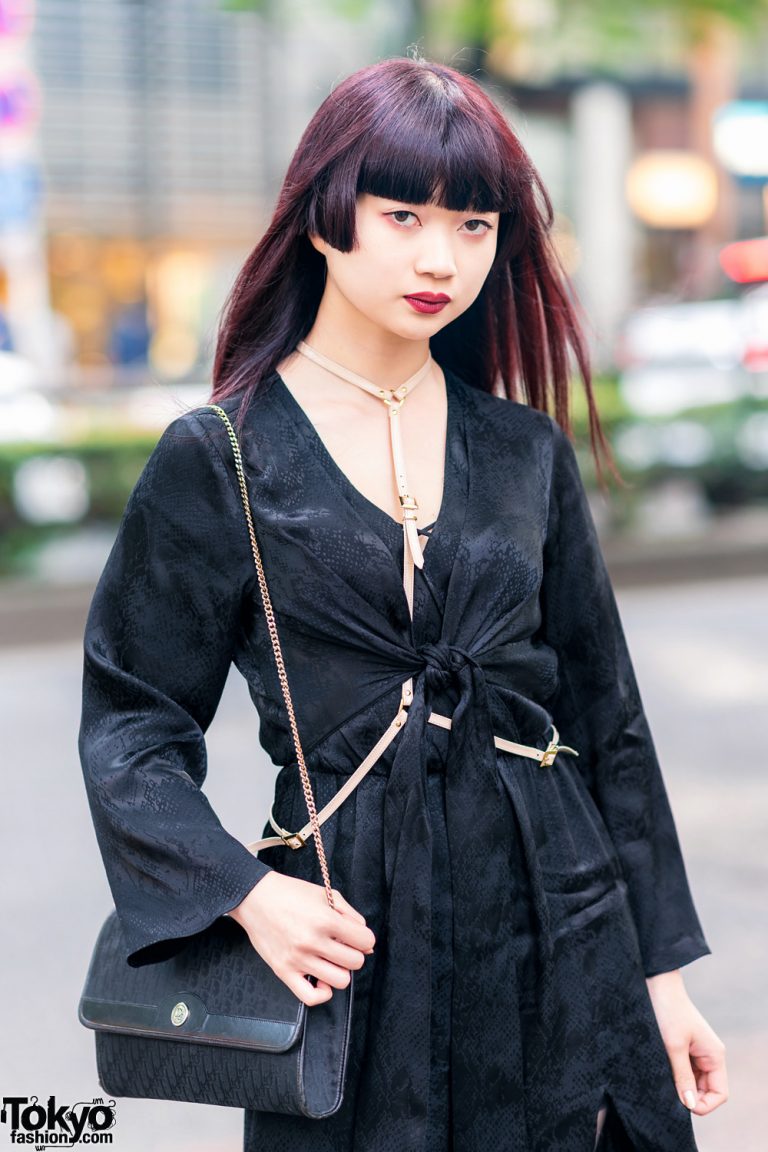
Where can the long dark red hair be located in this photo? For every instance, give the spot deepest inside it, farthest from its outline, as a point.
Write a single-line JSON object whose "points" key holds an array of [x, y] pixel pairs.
{"points": [[419, 132]]}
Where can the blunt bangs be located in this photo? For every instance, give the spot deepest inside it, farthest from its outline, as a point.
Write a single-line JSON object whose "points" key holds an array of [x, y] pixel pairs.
{"points": [[434, 151], [422, 135]]}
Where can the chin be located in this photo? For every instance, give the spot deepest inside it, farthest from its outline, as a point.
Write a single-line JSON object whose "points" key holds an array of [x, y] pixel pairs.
{"points": [[423, 325], [401, 331]]}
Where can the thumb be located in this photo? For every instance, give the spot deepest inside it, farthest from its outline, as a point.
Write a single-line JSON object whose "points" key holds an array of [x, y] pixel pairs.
{"points": [[682, 1073]]}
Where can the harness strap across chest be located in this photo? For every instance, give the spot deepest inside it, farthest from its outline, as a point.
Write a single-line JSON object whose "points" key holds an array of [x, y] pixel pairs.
{"points": [[413, 557]]}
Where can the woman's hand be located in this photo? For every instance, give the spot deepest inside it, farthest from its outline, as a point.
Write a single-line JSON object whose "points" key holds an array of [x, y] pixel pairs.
{"points": [[293, 928], [695, 1051]]}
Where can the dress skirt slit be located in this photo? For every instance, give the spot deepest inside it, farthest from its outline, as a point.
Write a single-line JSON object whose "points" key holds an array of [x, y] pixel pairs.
{"points": [[440, 1136]]}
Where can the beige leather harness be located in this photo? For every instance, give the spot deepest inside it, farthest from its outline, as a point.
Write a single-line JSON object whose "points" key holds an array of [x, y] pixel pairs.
{"points": [[413, 556]]}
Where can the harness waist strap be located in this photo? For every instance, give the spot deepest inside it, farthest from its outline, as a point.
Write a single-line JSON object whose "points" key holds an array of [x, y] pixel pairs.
{"points": [[545, 756]]}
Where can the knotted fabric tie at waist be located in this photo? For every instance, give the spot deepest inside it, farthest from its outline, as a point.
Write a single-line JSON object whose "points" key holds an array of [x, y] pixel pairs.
{"points": [[485, 1027], [442, 662]]}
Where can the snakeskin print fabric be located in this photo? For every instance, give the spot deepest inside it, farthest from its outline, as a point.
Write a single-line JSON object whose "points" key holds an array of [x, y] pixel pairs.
{"points": [[564, 887]]}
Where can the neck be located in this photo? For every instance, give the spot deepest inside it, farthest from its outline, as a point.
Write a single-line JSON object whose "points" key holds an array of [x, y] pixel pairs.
{"points": [[380, 356]]}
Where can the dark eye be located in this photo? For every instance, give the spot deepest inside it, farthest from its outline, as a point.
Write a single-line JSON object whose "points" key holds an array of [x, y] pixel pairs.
{"points": [[484, 226], [401, 212]]}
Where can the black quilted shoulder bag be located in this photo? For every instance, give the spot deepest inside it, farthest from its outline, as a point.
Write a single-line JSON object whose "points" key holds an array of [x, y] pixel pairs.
{"points": [[214, 1024]]}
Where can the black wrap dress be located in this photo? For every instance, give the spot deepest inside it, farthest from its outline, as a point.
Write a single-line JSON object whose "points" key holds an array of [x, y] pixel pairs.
{"points": [[517, 908]]}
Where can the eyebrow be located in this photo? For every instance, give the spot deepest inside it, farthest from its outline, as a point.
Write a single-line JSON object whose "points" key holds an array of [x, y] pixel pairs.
{"points": [[458, 212]]}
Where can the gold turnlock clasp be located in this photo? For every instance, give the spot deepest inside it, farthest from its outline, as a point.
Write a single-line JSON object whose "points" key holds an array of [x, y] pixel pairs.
{"points": [[394, 398], [552, 749]]}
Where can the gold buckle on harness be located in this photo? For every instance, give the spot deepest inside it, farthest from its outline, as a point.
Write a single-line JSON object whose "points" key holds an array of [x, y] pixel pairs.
{"points": [[409, 507], [288, 837]]}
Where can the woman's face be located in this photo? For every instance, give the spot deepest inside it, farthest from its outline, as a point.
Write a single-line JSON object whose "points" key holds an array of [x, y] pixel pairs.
{"points": [[404, 250]]}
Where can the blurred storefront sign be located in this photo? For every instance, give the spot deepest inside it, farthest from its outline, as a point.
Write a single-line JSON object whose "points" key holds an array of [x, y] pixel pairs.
{"points": [[670, 188], [19, 100], [740, 139], [21, 193], [746, 261], [16, 18], [23, 259]]}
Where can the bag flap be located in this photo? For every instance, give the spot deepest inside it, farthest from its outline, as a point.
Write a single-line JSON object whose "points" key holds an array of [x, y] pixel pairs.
{"points": [[216, 990]]}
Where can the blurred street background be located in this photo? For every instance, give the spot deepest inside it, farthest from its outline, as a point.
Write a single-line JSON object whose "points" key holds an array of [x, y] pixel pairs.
{"points": [[142, 145]]}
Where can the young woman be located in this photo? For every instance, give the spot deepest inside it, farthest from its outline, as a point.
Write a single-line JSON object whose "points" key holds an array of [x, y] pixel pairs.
{"points": [[515, 909]]}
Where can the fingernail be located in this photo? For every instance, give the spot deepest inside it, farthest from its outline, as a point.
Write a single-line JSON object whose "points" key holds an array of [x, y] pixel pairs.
{"points": [[689, 1099]]}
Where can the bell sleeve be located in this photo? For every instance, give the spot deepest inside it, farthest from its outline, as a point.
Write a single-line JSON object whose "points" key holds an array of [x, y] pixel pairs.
{"points": [[158, 644], [598, 710]]}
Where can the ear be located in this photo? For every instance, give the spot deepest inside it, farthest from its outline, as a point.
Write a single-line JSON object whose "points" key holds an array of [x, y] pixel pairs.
{"points": [[317, 242]]}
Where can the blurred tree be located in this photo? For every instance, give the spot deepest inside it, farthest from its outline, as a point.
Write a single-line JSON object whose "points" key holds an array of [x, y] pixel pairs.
{"points": [[601, 22], [709, 36], [693, 13], [351, 9], [478, 23]]}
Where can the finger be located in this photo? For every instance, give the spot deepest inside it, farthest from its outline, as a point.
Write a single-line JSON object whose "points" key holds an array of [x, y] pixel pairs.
{"points": [[708, 1101], [333, 974], [306, 992], [349, 930], [345, 955], [682, 1072], [712, 1087]]}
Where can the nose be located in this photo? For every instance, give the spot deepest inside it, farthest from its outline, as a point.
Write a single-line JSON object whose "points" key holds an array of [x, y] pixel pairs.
{"points": [[436, 256]]}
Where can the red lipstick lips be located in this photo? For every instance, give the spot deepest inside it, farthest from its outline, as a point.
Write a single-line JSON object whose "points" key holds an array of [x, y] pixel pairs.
{"points": [[429, 302]]}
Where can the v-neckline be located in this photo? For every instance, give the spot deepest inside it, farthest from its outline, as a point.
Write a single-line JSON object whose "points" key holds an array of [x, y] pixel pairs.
{"points": [[352, 492]]}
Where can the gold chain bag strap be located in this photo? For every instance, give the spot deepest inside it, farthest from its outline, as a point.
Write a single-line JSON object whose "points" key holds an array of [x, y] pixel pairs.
{"points": [[272, 626], [214, 1024]]}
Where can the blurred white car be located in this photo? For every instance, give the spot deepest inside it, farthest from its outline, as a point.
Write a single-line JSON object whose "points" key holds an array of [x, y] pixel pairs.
{"points": [[25, 414], [16, 372], [677, 356]]}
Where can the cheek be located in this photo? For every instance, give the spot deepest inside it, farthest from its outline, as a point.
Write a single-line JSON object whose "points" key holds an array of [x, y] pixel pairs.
{"points": [[366, 273], [475, 269]]}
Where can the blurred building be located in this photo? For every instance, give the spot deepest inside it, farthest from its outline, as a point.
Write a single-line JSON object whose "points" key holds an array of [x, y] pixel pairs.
{"points": [[166, 128], [616, 108]]}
